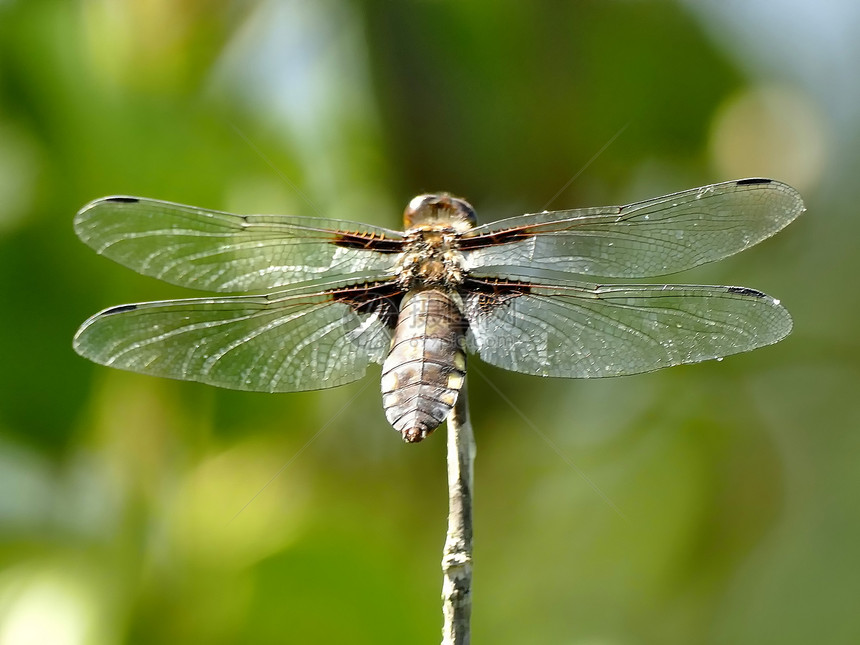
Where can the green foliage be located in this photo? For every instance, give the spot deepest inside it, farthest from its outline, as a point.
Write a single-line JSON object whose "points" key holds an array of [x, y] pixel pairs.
{"points": [[704, 503]]}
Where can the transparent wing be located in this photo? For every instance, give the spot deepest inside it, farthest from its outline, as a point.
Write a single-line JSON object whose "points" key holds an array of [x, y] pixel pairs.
{"points": [[285, 342], [587, 331], [649, 238], [215, 251]]}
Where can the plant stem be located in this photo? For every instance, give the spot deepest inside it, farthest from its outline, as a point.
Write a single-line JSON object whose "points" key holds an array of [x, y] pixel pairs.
{"points": [[457, 555]]}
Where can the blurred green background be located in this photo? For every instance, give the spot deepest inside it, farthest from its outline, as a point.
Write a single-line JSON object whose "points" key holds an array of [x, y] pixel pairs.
{"points": [[714, 503]]}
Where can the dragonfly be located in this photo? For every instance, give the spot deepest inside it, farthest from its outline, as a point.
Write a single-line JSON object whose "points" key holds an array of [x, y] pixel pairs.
{"points": [[320, 300]]}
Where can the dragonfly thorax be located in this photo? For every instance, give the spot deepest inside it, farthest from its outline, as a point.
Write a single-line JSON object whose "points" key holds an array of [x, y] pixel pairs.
{"points": [[430, 258]]}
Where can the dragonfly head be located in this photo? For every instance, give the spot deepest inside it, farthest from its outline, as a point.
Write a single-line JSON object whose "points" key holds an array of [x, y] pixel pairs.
{"points": [[441, 208]]}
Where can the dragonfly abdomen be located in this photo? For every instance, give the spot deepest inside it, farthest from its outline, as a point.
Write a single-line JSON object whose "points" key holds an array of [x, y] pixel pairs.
{"points": [[426, 365]]}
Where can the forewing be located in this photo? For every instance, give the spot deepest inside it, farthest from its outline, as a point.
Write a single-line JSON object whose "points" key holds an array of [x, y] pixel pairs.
{"points": [[649, 238], [285, 342], [588, 331], [215, 251]]}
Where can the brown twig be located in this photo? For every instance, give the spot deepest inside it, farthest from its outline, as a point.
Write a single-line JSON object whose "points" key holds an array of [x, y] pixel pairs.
{"points": [[457, 555]]}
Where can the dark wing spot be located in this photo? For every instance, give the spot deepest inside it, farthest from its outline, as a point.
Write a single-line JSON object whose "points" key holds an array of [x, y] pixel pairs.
{"points": [[499, 237], [746, 291], [122, 200], [484, 296], [753, 181], [119, 309], [381, 298], [368, 242]]}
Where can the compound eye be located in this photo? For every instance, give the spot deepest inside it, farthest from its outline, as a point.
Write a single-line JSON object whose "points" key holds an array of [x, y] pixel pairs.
{"points": [[417, 202], [417, 209], [466, 210]]}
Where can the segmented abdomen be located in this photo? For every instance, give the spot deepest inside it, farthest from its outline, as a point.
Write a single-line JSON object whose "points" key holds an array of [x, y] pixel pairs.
{"points": [[425, 368]]}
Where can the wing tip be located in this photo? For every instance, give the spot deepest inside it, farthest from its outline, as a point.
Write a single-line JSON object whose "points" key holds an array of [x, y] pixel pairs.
{"points": [[110, 199], [78, 341], [794, 206], [83, 214]]}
